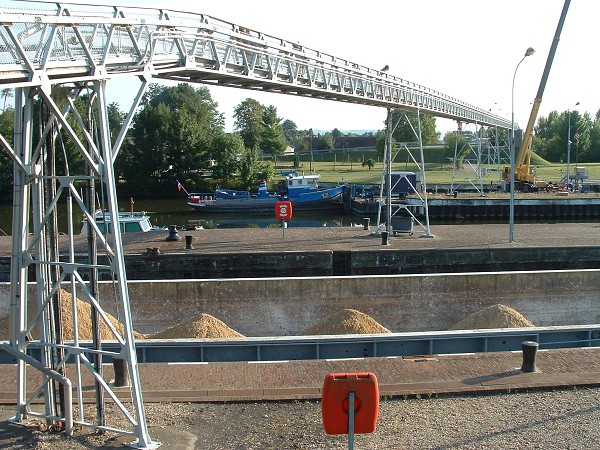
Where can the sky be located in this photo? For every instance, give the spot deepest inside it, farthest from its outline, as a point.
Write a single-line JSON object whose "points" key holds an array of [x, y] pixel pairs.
{"points": [[468, 49]]}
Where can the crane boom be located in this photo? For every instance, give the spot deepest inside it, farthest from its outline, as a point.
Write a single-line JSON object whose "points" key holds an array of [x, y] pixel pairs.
{"points": [[522, 169]]}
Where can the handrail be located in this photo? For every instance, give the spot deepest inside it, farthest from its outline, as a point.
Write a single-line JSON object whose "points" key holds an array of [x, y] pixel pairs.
{"points": [[75, 42], [68, 392]]}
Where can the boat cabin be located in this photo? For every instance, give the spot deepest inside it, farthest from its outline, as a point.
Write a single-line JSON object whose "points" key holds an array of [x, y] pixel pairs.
{"points": [[296, 184], [135, 222]]}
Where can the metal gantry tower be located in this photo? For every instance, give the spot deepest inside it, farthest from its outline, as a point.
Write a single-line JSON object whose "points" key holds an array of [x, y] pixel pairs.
{"points": [[49, 176], [482, 154], [388, 184]]}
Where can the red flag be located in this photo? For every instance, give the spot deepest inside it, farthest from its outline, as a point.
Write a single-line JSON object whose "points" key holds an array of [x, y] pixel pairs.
{"points": [[179, 186]]}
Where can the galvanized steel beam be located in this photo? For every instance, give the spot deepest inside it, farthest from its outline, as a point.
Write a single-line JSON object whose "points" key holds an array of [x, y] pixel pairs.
{"points": [[70, 43], [352, 346]]}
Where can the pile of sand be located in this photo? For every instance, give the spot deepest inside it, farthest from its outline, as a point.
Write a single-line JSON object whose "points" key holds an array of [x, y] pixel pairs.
{"points": [[495, 316], [84, 321], [347, 321], [203, 326]]}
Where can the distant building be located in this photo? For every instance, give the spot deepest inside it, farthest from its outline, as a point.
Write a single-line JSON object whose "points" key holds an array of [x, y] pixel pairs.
{"points": [[288, 151], [343, 142]]}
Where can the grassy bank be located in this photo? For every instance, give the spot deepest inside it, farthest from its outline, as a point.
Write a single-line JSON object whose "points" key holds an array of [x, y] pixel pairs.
{"points": [[347, 167]]}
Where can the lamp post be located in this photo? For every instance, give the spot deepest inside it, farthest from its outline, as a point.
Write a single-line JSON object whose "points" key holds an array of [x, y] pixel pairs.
{"points": [[511, 235], [569, 148]]}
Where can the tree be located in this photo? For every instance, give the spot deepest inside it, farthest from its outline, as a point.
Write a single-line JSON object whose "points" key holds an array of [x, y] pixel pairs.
{"points": [[551, 137], [6, 94], [595, 139], [407, 128], [272, 137], [227, 152], [115, 120], [6, 165], [492, 133], [290, 131], [248, 117], [325, 142], [172, 137], [380, 143], [145, 159], [252, 170], [456, 141]]}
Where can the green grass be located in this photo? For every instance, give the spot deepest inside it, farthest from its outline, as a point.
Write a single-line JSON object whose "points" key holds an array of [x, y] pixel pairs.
{"points": [[348, 168]]}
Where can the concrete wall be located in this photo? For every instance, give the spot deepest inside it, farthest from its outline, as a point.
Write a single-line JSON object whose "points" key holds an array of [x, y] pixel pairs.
{"points": [[356, 262], [287, 306]]}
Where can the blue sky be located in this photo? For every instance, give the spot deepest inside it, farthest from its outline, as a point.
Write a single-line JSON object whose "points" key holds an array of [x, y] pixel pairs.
{"points": [[465, 48]]}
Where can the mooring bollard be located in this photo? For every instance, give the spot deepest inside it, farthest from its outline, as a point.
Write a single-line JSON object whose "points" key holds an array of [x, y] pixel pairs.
{"points": [[366, 223], [529, 354], [188, 242], [173, 236], [121, 379], [384, 238]]}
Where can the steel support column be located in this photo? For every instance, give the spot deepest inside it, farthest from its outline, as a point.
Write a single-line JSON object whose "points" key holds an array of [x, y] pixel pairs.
{"points": [[39, 191]]}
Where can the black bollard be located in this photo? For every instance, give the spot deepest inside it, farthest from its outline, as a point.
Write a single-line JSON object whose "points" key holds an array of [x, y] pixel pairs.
{"points": [[173, 236], [529, 353], [366, 223], [188, 242], [121, 379], [384, 238]]}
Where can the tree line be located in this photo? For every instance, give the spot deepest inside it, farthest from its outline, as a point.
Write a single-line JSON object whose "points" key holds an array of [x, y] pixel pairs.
{"points": [[552, 135], [178, 134]]}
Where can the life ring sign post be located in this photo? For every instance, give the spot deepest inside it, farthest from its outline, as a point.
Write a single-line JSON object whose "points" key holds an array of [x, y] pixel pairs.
{"points": [[350, 404], [283, 213]]}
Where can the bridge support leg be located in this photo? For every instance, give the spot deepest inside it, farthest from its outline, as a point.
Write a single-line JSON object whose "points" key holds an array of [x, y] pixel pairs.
{"points": [[40, 189]]}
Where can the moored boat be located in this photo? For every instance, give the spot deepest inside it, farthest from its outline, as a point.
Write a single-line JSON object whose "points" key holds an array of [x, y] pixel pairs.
{"points": [[129, 222], [302, 190]]}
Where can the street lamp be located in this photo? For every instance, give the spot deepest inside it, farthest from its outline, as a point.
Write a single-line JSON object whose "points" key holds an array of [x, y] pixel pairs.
{"points": [[569, 147], [511, 235]]}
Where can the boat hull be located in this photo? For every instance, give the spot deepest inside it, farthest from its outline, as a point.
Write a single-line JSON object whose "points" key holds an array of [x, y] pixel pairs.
{"points": [[326, 200]]}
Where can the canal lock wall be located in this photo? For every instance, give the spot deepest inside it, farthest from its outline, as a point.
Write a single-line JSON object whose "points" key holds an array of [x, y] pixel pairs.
{"points": [[285, 306]]}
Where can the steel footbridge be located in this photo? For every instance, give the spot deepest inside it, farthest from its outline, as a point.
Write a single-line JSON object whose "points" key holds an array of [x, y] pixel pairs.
{"points": [[52, 54], [75, 43]]}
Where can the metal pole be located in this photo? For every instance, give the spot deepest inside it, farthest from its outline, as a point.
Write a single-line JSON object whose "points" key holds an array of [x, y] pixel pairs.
{"points": [[569, 147], [351, 408], [423, 179], [128, 351], [20, 228], [511, 233], [388, 175], [568, 150], [454, 168], [479, 131]]}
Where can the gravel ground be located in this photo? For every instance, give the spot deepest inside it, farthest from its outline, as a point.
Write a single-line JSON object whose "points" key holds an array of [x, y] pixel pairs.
{"points": [[559, 419]]}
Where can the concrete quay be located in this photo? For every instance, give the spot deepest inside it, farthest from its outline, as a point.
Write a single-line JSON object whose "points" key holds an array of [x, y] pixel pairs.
{"points": [[342, 251], [279, 305]]}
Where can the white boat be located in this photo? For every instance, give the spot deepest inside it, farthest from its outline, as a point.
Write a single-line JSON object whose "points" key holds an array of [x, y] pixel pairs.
{"points": [[129, 222]]}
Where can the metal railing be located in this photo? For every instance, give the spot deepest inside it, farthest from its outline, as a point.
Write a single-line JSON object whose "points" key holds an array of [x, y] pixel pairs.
{"points": [[59, 43]]}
